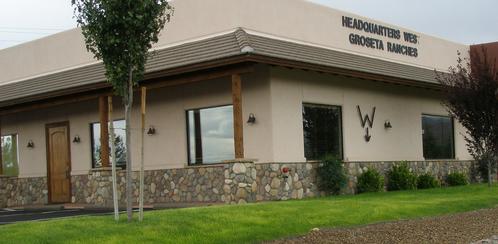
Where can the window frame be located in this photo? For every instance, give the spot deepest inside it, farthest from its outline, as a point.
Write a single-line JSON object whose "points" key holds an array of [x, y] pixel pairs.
{"points": [[17, 153], [188, 131], [341, 127], [92, 141], [453, 147]]}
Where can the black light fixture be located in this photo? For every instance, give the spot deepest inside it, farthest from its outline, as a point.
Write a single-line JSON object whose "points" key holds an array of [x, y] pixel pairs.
{"points": [[31, 144], [77, 139], [388, 124], [151, 131], [252, 119]]}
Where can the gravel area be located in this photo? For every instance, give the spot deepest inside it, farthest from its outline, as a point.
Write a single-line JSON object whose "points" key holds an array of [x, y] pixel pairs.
{"points": [[469, 227]]}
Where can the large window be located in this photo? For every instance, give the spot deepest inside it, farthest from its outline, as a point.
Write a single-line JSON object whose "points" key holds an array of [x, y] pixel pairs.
{"points": [[120, 143], [10, 164], [210, 135], [438, 137], [322, 131]]}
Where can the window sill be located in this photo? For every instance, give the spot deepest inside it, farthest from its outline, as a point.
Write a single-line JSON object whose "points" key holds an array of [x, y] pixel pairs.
{"points": [[222, 163], [103, 169]]}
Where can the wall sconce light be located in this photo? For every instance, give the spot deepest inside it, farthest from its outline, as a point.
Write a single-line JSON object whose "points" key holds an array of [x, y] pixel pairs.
{"points": [[252, 119], [77, 139], [388, 124], [151, 131], [31, 144]]}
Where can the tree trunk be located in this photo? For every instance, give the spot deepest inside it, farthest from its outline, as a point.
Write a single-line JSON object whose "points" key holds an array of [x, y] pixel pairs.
{"points": [[141, 201], [489, 171], [112, 139], [128, 108]]}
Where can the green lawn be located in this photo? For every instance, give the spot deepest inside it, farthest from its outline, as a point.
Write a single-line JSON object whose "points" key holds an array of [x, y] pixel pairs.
{"points": [[254, 222]]}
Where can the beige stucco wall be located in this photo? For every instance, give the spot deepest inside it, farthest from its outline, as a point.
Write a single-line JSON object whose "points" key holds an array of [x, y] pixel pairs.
{"points": [[403, 106], [295, 20], [274, 95], [166, 112]]}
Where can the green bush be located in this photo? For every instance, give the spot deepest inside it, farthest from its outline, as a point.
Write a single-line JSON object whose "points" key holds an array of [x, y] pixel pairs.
{"points": [[427, 181], [370, 181], [400, 178], [331, 175], [457, 179]]}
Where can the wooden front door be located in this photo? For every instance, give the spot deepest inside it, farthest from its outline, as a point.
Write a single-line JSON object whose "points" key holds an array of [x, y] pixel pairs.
{"points": [[58, 162]]}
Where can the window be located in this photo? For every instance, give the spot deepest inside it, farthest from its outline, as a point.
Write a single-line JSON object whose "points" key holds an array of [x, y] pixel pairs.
{"points": [[210, 135], [322, 131], [10, 164], [120, 143], [438, 137]]}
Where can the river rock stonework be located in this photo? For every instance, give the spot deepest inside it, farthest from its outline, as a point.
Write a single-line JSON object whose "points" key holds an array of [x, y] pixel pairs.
{"points": [[189, 185], [16, 191], [235, 182], [274, 184]]}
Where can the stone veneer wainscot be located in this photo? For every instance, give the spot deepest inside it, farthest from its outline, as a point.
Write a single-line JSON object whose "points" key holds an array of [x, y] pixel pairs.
{"points": [[230, 183]]}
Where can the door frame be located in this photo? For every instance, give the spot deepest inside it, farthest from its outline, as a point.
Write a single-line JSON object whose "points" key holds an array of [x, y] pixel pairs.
{"points": [[47, 141]]}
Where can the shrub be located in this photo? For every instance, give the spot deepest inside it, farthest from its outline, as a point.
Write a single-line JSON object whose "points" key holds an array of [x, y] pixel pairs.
{"points": [[427, 181], [400, 178], [370, 181], [457, 179], [331, 175]]}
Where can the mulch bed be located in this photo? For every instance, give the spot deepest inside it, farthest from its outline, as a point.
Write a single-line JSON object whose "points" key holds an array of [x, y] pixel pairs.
{"points": [[458, 228]]}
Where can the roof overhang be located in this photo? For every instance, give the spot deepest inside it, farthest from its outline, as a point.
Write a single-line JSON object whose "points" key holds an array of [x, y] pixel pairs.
{"points": [[227, 50]]}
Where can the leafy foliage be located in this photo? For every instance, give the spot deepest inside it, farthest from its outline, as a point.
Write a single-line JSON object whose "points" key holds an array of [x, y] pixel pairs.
{"points": [[457, 179], [370, 181], [427, 181], [121, 32], [331, 175], [400, 178], [470, 96]]}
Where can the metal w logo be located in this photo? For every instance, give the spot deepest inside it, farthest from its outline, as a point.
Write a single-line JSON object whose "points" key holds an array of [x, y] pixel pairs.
{"points": [[366, 120]]}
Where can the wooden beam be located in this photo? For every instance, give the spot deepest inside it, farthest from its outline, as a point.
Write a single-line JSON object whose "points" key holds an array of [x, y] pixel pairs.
{"points": [[198, 137], [340, 71], [105, 90], [238, 124], [53, 102], [198, 76], [104, 131]]}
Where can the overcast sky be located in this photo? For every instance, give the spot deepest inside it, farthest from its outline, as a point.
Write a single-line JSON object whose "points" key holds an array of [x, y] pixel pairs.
{"points": [[464, 21]]}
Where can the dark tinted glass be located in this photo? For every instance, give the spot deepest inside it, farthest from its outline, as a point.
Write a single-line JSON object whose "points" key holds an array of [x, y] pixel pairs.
{"points": [[322, 131], [438, 137]]}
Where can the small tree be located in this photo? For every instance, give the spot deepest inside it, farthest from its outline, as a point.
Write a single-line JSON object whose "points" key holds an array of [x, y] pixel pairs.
{"points": [[470, 96], [120, 33]]}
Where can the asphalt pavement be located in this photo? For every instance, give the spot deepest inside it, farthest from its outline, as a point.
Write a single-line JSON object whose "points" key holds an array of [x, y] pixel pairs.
{"points": [[10, 216]]}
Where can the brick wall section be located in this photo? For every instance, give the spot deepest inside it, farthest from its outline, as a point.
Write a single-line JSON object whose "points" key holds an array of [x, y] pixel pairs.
{"points": [[230, 183]]}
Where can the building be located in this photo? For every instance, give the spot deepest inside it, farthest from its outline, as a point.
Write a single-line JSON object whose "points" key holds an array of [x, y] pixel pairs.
{"points": [[237, 91]]}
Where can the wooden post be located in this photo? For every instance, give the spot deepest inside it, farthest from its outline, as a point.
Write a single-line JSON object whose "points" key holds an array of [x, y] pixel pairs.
{"points": [[141, 200], [238, 124], [1, 162], [113, 165], [104, 131]]}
